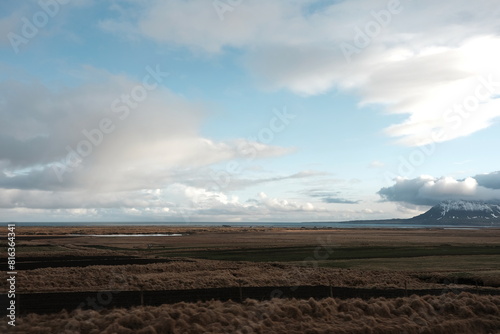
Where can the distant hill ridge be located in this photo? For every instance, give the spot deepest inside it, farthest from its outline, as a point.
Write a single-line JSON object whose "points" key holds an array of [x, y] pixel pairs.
{"points": [[461, 211]]}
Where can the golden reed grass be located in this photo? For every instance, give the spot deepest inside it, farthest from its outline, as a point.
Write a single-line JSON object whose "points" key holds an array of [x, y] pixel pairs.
{"points": [[463, 313]]}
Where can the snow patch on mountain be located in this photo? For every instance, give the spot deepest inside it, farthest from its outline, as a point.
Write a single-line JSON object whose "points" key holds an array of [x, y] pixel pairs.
{"points": [[448, 206], [460, 212]]}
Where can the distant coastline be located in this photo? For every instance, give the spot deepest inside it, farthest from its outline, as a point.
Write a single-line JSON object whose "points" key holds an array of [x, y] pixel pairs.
{"points": [[389, 224]]}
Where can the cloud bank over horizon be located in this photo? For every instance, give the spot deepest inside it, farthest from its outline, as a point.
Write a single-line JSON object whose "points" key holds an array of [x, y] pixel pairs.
{"points": [[428, 190]]}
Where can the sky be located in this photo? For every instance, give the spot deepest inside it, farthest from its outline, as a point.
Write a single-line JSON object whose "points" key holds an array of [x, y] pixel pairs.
{"points": [[246, 110]]}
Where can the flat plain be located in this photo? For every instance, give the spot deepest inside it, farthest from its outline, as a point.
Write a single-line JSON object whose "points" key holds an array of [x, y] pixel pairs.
{"points": [[75, 259]]}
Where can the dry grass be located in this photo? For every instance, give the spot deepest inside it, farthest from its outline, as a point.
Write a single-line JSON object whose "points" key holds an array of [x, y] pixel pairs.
{"points": [[198, 274], [377, 271], [464, 313]]}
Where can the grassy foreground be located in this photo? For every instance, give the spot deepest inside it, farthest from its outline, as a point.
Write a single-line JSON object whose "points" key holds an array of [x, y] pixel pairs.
{"points": [[464, 313]]}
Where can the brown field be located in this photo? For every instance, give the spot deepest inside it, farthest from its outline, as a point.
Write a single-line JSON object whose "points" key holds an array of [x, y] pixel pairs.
{"points": [[199, 274], [259, 237], [464, 313], [209, 257], [260, 256]]}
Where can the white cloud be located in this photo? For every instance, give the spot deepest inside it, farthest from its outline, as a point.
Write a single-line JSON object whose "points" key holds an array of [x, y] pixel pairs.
{"points": [[276, 204], [426, 60], [428, 190], [175, 202], [489, 180], [40, 199], [145, 149], [139, 169]]}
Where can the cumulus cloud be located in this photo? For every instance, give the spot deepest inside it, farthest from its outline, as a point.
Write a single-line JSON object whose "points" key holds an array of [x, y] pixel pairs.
{"points": [[428, 190], [175, 201], [428, 61], [489, 180], [276, 204], [108, 143], [97, 136]]}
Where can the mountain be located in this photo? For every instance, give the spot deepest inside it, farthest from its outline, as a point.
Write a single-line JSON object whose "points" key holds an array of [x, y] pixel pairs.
{"points": [[461, 212]]}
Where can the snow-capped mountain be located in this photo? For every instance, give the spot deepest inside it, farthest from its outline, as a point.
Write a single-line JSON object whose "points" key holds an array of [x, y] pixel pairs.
{"points": [[461, 212]]}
